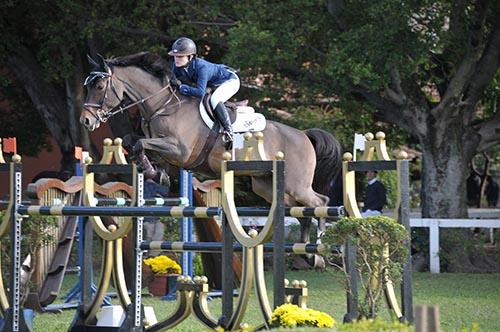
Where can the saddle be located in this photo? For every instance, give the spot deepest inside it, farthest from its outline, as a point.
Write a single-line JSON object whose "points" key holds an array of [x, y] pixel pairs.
{"points": [[231, 106], [243, 117]]}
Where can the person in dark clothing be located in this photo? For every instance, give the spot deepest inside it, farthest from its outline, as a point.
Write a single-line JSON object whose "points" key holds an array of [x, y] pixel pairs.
{"points": [[473, 188], [491, 191], [375, 196], [153, 226]]}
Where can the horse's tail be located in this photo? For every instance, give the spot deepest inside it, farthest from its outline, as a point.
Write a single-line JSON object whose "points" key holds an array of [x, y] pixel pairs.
{"points": [[328, 173]]}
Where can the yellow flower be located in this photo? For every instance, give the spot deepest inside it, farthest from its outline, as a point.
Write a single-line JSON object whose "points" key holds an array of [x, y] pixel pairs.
{"points": [[163, 265], [290, 315]]}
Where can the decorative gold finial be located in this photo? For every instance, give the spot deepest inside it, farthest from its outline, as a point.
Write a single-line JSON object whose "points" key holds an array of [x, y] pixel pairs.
{"points": [[347, 156], [369, 136], [380, 135], [244, 326], [280, 155], [286, 282], [295, 284], [16, 158], [204, 279], [187, 278], [227, 156], [247, 136], [258, 135], [107, 142], [303, 284], [402, 155], [118, 141], [197, 279], [112, 228], [180, 279], [253, 233], [88, 160]]}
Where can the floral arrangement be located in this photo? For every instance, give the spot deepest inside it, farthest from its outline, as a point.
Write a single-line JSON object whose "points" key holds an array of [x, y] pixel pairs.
{"points": [[163, 265], [291, 315]]}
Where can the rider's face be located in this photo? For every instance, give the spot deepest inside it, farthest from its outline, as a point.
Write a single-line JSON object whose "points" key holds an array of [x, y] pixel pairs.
{"points": [[181, 60]]}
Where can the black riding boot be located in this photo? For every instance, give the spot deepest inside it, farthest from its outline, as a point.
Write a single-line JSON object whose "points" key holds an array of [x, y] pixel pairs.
{"points": [[223, 117]]}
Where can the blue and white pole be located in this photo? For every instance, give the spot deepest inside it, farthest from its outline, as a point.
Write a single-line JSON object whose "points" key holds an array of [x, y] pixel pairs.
{"points": [[186, 190]]}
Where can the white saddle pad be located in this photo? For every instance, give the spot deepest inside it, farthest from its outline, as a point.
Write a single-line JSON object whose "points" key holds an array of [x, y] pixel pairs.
{"points": [[246, 119]]}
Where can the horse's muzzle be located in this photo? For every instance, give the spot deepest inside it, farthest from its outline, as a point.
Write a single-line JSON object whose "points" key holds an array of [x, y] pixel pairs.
{"points": [[89, 121]]}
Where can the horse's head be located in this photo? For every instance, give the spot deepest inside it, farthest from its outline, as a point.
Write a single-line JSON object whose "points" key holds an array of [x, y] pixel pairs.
{"points": [[103, 95]]}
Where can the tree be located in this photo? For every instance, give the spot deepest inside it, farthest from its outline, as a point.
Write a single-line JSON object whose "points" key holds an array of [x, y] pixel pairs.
{"points": [[428, 67], [43, 52]]}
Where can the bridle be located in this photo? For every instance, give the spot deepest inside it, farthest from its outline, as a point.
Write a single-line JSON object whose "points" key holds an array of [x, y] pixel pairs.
{"points": [[100, 114]]}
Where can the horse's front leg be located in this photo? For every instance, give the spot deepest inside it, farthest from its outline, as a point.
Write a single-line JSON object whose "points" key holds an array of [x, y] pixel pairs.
{"points": [[161, 150]]}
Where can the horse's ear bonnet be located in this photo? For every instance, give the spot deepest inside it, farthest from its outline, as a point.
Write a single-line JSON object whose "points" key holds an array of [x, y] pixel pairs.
{"points": [[92, 62]]}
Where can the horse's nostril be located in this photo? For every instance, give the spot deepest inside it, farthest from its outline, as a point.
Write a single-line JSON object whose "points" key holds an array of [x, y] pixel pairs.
{"points": [[86, 122]]}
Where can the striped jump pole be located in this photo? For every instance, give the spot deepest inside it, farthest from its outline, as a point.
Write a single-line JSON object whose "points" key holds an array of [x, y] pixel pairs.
{"points": [[119, 201], [217, 247], [174, 211]]}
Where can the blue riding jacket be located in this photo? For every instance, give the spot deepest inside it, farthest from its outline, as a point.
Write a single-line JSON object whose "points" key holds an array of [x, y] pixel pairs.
{"points": [[201, 73]]}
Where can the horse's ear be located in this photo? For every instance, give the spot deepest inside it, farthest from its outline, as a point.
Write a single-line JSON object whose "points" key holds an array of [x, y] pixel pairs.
{"points": [[92, 62], [102, 63]]}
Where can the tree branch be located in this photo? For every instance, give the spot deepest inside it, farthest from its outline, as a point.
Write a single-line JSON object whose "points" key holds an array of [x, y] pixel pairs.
{"points": [[486, 68], [466, 68], [406, 116], [488, 130], [48, 101], [457, 18], [334, 7]]}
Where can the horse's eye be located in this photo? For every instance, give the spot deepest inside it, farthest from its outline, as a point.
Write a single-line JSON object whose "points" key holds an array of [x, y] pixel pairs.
{"points": [[100, 87]]}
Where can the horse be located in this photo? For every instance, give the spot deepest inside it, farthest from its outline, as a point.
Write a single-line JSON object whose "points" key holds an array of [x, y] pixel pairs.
{"points": [[175, 131]]}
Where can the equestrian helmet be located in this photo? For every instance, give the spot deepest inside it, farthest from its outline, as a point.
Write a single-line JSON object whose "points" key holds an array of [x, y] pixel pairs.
{"points": [[183, 46]]}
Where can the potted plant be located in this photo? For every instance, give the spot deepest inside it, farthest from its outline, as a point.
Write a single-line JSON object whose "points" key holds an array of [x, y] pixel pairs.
{"points": [[165, 271]]}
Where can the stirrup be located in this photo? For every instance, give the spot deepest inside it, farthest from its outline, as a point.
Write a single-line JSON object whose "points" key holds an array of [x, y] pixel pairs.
{"points": [[227, 139]]}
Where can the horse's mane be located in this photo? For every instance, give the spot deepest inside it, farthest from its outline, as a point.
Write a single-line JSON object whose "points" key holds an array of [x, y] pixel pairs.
{"points": [[152, 63]]}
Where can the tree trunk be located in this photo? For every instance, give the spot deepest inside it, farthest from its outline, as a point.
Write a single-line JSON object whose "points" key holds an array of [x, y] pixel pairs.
{"points": [[57, 107], [445, 169]]}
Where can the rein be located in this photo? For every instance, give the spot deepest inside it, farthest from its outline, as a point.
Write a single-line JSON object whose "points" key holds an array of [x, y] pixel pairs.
{"points": [[103, 116]]}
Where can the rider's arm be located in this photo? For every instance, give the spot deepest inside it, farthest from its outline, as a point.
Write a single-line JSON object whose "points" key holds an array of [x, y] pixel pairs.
{"points": [[202, 75]]}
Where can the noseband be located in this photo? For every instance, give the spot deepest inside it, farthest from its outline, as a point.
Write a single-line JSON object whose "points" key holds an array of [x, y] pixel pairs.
{"points": [[103, 116]]}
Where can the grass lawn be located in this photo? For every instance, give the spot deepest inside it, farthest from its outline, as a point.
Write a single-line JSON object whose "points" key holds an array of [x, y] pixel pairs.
{"points": [[462, 298]]}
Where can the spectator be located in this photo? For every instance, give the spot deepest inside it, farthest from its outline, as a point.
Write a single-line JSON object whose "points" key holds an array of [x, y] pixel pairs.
{"points": [[153, 226], [473, 188], [375, 197], [491, 191]]}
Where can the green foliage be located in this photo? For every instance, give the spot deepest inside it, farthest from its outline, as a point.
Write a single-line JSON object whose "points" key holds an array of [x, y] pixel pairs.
{"points": [[198, 265], [375, 325], [381, 253], [390, 181], [37, 232], [172, 228]]}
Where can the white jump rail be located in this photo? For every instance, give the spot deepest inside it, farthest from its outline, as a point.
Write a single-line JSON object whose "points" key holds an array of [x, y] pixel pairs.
{"points": [[435, 224]]}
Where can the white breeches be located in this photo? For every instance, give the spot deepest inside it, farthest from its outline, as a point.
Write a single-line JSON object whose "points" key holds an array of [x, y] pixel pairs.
{"points": [[225, 91]]}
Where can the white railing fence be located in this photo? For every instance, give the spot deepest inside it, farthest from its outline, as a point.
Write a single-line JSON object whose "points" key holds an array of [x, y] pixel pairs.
{"points": [[435, 224]]}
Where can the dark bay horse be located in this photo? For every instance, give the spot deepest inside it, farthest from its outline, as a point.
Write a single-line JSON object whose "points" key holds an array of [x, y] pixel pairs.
{"points": [[175, 131]]}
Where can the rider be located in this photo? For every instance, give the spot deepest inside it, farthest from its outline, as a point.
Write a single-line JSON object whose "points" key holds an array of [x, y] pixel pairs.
{"points": [[197, 74]]}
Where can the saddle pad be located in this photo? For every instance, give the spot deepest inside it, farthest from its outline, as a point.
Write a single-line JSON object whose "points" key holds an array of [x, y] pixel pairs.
{"points": [[246, 119]]}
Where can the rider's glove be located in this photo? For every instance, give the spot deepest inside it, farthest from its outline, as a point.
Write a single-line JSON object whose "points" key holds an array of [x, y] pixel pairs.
{"points": [[175, 82], [184, 89]]}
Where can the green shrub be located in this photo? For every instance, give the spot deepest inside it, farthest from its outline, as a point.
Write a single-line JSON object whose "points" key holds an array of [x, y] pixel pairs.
{"points": [[375, 325], [381, 253]]}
